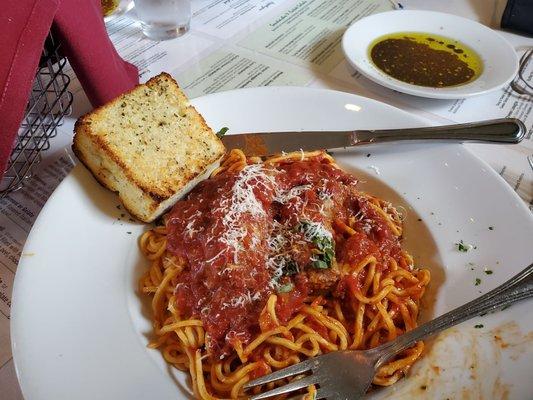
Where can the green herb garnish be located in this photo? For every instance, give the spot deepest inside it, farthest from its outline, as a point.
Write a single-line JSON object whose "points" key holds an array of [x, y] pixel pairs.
{"points": [[286, 288], [290, 268], [478, 281], [461, 246], [488, 271], [478, 326], [322, 239], [222, 131]]}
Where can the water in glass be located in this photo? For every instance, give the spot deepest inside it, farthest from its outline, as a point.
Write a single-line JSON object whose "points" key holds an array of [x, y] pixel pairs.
{"points": [[163, 19]]}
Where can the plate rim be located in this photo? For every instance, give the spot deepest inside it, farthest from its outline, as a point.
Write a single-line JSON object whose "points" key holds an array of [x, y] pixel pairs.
{"points": [[15, 316]]}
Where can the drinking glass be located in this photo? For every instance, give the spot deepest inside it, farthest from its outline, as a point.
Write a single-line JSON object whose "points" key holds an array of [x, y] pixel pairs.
{"points": [[163, 19]]}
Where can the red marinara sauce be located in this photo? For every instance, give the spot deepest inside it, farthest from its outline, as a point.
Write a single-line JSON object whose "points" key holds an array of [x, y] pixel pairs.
{"points": [[231, 229]]}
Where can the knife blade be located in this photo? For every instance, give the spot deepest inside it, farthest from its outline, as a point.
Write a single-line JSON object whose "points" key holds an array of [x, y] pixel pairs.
{"points": [[505, 131], [263, 144]]}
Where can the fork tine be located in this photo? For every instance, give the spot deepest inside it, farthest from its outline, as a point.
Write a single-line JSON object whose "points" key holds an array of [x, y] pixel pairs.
{"points": [[286, 372], [290, 387]]}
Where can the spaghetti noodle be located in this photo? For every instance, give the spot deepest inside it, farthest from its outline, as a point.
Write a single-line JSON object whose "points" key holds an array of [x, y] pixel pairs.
{"points": [[270, 262]]}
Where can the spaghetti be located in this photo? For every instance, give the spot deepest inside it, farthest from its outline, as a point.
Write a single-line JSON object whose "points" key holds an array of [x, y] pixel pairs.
{"points": [[270, 262]]}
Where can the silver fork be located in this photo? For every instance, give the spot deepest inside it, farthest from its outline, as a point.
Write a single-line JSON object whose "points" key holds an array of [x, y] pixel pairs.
{"points": [[344, 375]]}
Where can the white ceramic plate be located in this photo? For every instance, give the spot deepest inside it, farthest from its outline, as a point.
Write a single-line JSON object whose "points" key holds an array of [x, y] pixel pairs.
{"points": [[79, 329], [499, 58]]}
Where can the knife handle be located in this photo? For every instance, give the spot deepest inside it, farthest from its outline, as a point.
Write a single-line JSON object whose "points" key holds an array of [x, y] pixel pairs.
{"points": [[505, 130]]}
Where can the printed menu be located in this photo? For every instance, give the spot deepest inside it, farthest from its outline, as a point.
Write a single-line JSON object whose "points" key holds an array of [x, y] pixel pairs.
{"points": [[309, 33], [247, 43], [235, 69]]}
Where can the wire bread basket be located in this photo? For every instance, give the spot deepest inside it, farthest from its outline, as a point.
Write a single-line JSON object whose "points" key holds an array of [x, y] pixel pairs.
{"points": [[49, 102]]}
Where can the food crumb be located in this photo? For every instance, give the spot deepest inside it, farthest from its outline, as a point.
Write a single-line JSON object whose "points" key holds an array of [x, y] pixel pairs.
{"points": [[464, 247]]}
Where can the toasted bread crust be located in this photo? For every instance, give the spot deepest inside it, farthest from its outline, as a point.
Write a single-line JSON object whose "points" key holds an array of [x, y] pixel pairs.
{"points": [[180, 149]]}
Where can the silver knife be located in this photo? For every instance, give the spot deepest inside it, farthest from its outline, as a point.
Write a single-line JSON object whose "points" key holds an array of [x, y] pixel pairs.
{"points": [[505, 131]]}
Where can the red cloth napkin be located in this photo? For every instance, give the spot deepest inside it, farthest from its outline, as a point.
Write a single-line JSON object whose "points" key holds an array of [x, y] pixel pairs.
{"points": [[84, 40], [79, 26]]}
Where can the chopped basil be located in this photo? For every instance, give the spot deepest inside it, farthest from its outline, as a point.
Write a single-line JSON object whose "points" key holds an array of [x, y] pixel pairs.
{"points": [[326, 258], [286, 288], [222, 131], [290, 268], [322, 239], [320, 264]]}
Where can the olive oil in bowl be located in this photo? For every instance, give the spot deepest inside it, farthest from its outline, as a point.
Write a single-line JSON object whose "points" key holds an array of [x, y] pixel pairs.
{"points": [[425, 59]]}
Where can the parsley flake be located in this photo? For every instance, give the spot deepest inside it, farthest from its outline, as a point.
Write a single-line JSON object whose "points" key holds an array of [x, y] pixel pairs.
{"points": [[478, 281], [222, 131], [488, 271], [478, 326], [462, 246]]}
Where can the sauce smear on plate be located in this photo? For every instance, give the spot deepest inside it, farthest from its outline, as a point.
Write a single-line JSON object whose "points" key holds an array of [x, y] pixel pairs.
{"points": [[425, 59]]}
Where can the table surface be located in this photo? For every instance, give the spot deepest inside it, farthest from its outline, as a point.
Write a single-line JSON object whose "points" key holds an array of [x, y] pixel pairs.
{"points": [[210, 41]]}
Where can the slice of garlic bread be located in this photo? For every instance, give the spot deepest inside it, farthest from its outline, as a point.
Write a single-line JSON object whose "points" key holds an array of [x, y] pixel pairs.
{"points": [[149, 145]]}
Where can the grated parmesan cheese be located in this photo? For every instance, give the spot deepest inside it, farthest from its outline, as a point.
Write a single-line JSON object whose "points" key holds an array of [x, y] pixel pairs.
{"points": [[244, 201]]}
